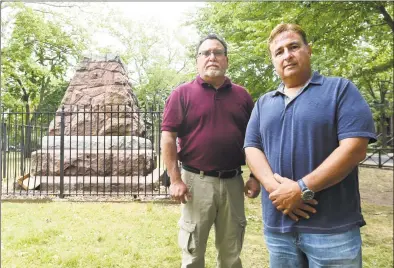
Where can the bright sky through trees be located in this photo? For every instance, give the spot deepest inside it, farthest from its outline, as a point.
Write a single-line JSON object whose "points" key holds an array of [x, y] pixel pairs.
{"points": [[170, 15]]}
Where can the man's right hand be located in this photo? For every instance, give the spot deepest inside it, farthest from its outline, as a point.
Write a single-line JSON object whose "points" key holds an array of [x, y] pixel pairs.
{"points": [[252, 187], [179, 191], [302, 209], [293, 208]]}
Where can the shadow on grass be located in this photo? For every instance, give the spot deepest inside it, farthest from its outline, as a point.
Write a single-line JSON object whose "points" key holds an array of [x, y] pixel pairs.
{"points": [[165, 200], [35, 201]]}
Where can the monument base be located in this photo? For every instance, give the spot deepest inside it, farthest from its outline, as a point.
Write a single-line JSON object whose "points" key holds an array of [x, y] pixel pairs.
{"points": [[86, 185], [93, 162]]}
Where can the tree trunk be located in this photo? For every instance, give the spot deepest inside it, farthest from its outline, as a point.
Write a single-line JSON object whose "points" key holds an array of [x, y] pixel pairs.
{"points": [[383, 128]]}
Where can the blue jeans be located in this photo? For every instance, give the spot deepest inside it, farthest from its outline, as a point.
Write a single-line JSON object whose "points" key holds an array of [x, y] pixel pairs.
{"points": [[302, 250]]}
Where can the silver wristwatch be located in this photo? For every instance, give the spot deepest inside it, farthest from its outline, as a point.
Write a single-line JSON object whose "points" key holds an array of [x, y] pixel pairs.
{"points": [[306, 193]]}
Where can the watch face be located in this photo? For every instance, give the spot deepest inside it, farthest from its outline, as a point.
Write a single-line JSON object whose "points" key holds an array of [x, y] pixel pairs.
{"points": [[307, 195]]}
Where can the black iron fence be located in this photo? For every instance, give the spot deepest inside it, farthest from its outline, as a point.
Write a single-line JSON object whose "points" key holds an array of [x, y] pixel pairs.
{"points": [[81, 150], [100, 150], [379, 155]]}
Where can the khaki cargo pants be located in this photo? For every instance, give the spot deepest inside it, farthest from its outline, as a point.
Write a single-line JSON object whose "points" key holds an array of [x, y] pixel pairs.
{"points": [[218, 202]]}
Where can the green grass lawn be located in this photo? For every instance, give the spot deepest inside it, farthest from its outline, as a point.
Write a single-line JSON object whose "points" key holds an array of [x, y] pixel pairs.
{"points": [[65, 234], [141, 234]]}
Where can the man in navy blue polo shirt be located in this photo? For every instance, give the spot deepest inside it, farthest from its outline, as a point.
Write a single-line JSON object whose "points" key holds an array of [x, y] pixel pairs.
{"points": [[303, 142], [209, 116]]}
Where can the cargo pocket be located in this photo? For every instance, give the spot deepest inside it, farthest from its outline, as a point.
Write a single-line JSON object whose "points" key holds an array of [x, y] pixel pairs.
{"points": [[186, 238], [242, 228]]}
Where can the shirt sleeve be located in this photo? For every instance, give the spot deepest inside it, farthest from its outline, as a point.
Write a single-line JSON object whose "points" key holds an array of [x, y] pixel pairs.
{"points": [[354, 117], [173, 114], [253, 136]]}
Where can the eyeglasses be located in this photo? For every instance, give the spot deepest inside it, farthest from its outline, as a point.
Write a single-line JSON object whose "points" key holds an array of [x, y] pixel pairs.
{"points": [[207, 53]]}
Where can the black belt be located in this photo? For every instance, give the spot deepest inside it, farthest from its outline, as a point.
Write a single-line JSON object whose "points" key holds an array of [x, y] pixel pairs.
{"points": [[224, 174]]}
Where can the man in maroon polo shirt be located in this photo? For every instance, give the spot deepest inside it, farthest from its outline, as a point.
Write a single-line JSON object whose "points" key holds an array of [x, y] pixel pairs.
{"points": [[209, 116]]}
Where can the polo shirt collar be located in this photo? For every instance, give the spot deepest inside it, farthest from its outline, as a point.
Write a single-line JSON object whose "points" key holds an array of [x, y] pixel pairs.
{"points": [[316, 79], [202, 83]]}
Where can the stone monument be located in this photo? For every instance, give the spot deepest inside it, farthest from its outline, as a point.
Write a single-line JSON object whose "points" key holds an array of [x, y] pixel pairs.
{"points": [[104, 134]]}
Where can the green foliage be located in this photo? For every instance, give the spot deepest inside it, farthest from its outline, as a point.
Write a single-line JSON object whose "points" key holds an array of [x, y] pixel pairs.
{"points": [[35, 59], [350, 39]]}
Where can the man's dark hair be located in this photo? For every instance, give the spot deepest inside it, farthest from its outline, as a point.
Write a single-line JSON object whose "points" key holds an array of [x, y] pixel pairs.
{"points": [[286, 27], [213, 36]]}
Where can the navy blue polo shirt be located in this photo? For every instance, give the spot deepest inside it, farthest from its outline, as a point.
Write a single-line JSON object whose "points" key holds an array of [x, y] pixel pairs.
{"points": [[296, 138]]}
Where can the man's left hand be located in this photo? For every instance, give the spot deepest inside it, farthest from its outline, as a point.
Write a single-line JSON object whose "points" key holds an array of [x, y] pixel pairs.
{"points": [[287, 195], [252, 187]]}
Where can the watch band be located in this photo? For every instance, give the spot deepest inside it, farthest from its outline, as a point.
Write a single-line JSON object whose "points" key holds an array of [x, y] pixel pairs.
{"points": [[306, 193], [302, 185]]}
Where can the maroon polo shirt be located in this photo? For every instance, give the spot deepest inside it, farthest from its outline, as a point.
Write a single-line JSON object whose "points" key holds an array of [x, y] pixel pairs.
{"points": [[210, 123]]}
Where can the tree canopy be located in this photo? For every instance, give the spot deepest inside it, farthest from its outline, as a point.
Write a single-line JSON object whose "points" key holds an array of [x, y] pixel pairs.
{"points": [[351, 39], [35, 59]]}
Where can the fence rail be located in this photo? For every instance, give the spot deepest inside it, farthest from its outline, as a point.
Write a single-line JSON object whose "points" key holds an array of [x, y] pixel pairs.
{"points": [[379, 157], [101, 150]]}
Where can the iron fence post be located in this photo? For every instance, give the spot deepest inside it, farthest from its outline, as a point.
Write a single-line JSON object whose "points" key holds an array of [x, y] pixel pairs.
{"points": [[4, 144], [62, 126], [380, 157]]}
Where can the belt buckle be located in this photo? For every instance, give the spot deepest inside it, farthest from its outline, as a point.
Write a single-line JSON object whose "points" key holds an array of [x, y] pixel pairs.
{"points": [[220, 173]]}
